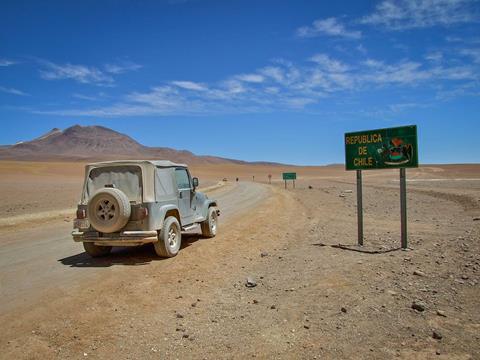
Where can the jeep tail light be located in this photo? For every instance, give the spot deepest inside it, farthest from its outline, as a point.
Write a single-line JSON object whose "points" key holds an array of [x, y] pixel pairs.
{"points": [[142, 213], [81, 214]]}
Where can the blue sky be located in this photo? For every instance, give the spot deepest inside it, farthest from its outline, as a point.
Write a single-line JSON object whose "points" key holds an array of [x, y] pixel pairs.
{"points": [[254, 80]]}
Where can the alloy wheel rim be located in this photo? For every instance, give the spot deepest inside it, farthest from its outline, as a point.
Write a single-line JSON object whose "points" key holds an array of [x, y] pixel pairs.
{"points": [[172, 237]]}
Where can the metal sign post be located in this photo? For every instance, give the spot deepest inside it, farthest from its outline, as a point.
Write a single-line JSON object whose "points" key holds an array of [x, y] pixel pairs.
{"points": [[359, 208], [392, 148], [403, 207]]}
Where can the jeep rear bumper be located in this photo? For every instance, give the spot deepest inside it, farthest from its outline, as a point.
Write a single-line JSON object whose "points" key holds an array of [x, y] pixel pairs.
{"points": [[124, 238]]}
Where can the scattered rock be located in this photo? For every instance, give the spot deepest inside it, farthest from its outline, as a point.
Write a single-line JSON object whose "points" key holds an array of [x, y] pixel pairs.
{"points": [[255, 301], [273, 307], [250, 282], [465, 277], [310, 187], [306, 327], [348, 191], [437, 335], [343, 309], [185, 336], [476, 219], [263, 254], [179, 316], [438, 352], [441, 313], [419, 305], [341, 195], [418, 273]]}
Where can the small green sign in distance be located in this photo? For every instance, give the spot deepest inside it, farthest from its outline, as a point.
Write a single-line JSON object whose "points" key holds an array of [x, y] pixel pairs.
{"points": [[382, 149], [289, 176]]}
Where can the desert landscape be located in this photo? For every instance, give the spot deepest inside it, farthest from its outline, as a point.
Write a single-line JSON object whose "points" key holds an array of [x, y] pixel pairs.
{"points": [[272, 284]]}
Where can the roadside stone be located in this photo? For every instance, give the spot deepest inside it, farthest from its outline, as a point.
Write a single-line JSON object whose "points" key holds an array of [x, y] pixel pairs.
{"points": [[341, 195], [273, 307], [418, 273], [255, 301], [263, 254], [441, 313], [250, 282], [310, 187], [437, 335], [476, 219], [306, 327], [179, 316], [438, 352], [419, 305], [348, 191], [465, 277], [185, 336], [343, 309]]}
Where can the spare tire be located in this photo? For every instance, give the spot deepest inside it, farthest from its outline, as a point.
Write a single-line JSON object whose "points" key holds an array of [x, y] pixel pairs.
{"points": [[108, 210]]}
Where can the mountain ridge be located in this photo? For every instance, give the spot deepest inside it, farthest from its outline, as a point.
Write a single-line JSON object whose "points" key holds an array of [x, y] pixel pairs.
{"points": [[92, 143]]}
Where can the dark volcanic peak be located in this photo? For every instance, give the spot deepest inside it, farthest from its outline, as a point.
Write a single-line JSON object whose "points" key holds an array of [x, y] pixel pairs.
{"points": [[97, 143]]}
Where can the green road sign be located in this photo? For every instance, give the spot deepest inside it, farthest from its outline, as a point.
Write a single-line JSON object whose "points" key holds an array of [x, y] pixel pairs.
{"points": [[289, 176], [382, 149]]}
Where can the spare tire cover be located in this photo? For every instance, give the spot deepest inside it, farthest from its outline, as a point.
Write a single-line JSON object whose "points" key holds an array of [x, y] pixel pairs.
{"points": [[108, 210]]}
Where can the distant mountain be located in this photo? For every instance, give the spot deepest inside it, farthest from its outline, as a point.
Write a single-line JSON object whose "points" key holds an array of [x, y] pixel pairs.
{"points": [[91, 143]]}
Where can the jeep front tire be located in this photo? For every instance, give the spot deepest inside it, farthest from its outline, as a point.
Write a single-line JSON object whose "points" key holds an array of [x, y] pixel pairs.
{"points": [[169, 238], [209, 226]]}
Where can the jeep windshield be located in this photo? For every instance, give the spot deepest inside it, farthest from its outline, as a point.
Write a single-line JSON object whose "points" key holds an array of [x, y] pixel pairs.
{"points": [[127, 178]]}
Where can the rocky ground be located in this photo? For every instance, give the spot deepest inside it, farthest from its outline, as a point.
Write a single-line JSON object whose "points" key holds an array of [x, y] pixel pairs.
{"points": [[272, 284]]}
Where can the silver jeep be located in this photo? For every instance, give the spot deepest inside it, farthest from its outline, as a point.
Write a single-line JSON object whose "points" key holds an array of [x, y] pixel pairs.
{"points": [[134, 202]]}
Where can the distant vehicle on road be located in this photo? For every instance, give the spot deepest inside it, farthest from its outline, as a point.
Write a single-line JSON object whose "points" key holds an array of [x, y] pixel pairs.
{"points": [[128, 203]]}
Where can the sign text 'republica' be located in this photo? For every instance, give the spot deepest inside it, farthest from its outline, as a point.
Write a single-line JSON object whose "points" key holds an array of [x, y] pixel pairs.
{"points": [[382, 148]]}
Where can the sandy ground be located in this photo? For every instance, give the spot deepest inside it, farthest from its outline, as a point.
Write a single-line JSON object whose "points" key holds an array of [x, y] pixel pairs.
{"points": [[312, 299]]}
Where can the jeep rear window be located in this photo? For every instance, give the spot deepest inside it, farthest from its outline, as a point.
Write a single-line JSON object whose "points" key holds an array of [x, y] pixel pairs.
{"points": [[126, 178]]}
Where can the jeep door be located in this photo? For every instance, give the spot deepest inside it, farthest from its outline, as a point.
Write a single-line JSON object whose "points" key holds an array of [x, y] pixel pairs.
{"points": [[184, 186]]}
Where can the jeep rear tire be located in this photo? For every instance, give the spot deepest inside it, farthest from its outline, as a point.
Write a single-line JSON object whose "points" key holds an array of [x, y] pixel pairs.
{"points": [[169, 238], [108, 210], [95, 250], [209, 226]]}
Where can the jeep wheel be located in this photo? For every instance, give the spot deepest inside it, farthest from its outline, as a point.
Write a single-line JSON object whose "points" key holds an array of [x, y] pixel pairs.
{"points": [[108, 210], [95, 250], [169, 238], [209, 226]]}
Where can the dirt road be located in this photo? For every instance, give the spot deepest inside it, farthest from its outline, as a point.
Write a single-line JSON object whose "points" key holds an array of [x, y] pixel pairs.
{"points": [[33, 260]]}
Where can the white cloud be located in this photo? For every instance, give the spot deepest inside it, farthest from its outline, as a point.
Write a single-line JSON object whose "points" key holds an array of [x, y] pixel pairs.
{"points": [[329, 64], [12, 91], [190, 85], [122, 67], [330, 26], [87, 97], [253, 78], [80, 73], [472, 53], [6, 62], [286, 86], [409, 14], [435, 56]]}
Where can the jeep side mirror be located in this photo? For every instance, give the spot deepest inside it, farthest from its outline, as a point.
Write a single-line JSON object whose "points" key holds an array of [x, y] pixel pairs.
{"points": [[195, 182]]}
